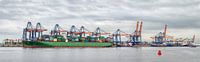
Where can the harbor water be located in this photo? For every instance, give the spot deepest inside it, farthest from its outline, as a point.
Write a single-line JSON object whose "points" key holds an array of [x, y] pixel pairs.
{"points": [[123, 54]]}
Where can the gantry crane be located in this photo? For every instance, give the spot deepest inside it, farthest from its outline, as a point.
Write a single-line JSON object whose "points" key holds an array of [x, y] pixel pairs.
{"points": [[28, 32], [98, 33], [39, 31], [116, 36], [162, 37], [84, 31], [57, 34], [136, 37], [57, 30], [73, 31]]}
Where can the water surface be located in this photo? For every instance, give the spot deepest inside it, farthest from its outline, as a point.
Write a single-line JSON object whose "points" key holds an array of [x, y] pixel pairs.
{"points": [[124, 54]]}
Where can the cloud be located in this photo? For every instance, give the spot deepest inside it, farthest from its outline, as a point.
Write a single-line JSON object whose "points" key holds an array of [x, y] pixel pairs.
{"points": [[108, 14]]}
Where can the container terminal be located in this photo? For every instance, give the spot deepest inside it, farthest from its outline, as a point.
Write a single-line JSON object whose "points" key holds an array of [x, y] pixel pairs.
{"points": [[82, 37], [164, 40], [78, 37]]}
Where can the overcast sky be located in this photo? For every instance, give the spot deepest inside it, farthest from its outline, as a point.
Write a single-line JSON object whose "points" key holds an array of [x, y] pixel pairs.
{"points": [[182, 16]]}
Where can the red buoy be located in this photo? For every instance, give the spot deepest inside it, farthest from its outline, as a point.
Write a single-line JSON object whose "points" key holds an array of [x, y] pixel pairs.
{"points": [[159, 53]]}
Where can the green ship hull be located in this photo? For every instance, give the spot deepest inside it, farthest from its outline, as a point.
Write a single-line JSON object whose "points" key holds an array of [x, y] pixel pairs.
{"points": [[65, 44]]}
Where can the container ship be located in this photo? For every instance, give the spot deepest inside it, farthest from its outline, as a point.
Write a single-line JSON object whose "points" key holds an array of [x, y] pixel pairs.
{"points": [[58, 37], [60, 41]]}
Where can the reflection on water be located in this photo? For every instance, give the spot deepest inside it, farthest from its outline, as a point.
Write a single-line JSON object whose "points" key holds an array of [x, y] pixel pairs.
{"points": [[125, 54]]}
